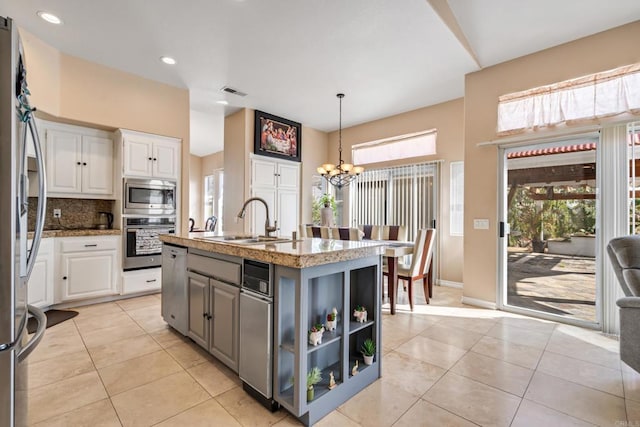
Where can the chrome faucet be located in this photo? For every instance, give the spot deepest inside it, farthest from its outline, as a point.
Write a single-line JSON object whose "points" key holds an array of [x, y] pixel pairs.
{"points": [[268, 229]]}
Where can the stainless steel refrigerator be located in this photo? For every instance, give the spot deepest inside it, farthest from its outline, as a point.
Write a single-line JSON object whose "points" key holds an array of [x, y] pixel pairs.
{"points": [[17, 129]]}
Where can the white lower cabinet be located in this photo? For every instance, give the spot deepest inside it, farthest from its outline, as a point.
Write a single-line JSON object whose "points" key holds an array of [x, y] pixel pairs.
{"points": [[89, 267], [40, 287], [145, 280]]}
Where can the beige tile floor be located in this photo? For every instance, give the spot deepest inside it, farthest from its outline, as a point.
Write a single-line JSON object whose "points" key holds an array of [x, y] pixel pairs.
{"points": [[118, 364]]}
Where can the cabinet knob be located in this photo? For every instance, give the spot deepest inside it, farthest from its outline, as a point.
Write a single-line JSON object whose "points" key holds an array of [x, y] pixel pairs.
{"points": [[204, 315], [209, 317], [78, 163], [84, 164], [150, 158], [64, 277], [155, 160]]}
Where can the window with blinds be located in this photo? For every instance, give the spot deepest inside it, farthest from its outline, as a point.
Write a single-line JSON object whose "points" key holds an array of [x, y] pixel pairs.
{"points": [[402, 195]]}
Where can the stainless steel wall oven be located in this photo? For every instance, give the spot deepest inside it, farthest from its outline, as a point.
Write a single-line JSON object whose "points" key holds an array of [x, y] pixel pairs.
{"points": [[149, 197], [142, 247]]}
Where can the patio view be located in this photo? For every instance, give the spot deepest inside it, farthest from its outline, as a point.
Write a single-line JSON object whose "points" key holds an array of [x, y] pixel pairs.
{"points": [[551, 202]]}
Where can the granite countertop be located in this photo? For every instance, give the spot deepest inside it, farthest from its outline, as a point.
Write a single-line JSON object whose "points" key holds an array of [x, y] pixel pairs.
{"points": [[77, 233], [299, 253]]}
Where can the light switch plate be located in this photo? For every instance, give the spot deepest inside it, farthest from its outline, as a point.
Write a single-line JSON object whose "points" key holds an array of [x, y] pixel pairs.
{"points": [[481, 224]]}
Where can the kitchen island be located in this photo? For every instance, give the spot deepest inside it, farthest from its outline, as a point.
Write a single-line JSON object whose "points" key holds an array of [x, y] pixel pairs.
{"points": [[309, 278]]}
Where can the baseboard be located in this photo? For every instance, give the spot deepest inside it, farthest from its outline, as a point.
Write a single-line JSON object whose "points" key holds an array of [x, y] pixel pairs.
{"points": [[479, 303], [449, 284]]}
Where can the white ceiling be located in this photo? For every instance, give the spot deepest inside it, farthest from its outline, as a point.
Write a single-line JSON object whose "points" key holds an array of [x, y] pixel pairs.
{"points": [[292, 56]]}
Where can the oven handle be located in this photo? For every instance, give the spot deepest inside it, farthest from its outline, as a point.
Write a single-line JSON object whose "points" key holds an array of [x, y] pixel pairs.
{"points": [[147, 227]]}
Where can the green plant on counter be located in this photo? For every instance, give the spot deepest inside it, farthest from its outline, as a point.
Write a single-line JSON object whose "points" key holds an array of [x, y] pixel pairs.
{"points": [[368, 347]]}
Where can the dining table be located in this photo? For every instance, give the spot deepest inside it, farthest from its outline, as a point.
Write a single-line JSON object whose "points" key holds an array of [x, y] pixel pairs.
{"points": [[393, 251]]}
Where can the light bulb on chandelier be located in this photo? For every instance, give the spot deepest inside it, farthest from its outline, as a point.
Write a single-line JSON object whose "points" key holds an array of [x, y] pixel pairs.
{"points": [[343, 173]]}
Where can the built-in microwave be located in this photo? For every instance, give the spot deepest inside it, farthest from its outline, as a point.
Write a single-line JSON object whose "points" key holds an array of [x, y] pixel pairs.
{"points": [[149, 197]]}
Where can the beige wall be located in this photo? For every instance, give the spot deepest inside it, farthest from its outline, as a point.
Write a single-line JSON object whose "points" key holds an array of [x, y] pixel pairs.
{"points": [[592, 54], [196, 206], [447, 118], [73, 89], [237, 141], [315, 151], [212, 162]]}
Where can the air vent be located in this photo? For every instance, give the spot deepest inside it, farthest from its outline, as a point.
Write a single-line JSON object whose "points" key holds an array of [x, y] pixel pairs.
{"points": [[233, 91]]}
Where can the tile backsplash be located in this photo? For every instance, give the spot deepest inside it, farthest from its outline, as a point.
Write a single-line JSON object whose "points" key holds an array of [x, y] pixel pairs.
{"points": [[75, 213]]}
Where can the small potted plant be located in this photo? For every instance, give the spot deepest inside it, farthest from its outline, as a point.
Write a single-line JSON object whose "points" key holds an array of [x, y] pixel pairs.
{"points": [[360, 313], [332, 321], [368, 351], [315, 334], [313, 377]]}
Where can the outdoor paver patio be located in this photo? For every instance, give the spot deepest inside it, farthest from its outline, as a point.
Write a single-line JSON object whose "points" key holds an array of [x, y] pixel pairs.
{"points": [[556, 284]]}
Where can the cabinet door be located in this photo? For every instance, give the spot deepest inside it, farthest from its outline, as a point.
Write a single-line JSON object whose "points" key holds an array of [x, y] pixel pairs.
{"points": [[288, 176], [138, 156], [88, 274], [165, 159], [225, 304], [97, 165], [63, 162], [288, 211], [258, 212], [263, 173], [198, 329], [40, 287]]}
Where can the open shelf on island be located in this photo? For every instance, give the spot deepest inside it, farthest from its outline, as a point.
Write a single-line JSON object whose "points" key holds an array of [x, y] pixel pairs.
{"points": [[328, 338], [357, 326], [322, 387], [361, 365]]}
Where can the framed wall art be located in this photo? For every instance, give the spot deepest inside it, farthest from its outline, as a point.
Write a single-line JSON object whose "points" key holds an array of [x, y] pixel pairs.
{"points": [[277, 137]]}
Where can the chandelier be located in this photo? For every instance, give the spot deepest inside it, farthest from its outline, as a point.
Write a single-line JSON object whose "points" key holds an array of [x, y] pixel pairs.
{"points": [[343, 173]]}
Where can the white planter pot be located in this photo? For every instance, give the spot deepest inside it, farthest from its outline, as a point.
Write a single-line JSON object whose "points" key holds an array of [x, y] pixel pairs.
{"points": [[315, 338], [330, 325], [368, 360]]}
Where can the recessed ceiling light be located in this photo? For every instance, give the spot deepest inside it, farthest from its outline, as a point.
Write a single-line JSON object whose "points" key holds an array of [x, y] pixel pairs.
{"points": [[168, 60], [49, 17], [223, 102]]}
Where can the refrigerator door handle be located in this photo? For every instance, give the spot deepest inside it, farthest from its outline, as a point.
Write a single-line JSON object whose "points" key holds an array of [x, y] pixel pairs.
{"points": [[35, 339], [42, 196]]}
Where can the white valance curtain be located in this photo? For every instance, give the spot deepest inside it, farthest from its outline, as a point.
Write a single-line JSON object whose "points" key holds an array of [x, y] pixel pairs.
{"points": [[597, 95]]}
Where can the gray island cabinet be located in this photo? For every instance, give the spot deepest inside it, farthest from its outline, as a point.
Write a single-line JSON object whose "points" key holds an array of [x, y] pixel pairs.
{"points": [[310, 278]]}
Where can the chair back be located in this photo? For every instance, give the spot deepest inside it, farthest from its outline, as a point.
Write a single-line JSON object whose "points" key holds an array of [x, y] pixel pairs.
{"points": [[427, 254], [318, 232], [393, 232], [210, 224], [422, 252], [345, 233], [418, 249], [624, 253], [370, 232]]}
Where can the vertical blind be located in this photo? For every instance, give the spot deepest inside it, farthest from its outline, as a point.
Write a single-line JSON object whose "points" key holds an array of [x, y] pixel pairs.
{"points": [[402, 195]]}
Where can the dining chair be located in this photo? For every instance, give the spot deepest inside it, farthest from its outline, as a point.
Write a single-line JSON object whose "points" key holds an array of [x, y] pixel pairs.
{"points": [[346, 233], [321, 232], [393, 232], [420, 267], [210, 224]]}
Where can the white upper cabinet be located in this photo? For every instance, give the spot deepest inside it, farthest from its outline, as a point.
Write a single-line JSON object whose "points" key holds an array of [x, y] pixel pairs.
{"points": [[79, 161], [278, 184], [150, 156]]}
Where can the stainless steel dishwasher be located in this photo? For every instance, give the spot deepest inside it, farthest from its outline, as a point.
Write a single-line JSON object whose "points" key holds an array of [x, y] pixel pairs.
{"points": [[256, 333], [175, 302]]}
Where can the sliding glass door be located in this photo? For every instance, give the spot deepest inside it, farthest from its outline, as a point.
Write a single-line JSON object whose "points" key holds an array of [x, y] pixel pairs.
{"points": [[549, 240]]}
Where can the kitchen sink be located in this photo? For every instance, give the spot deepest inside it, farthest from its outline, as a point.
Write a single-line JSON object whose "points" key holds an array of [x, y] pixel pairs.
{"points": [[245, 240]]}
